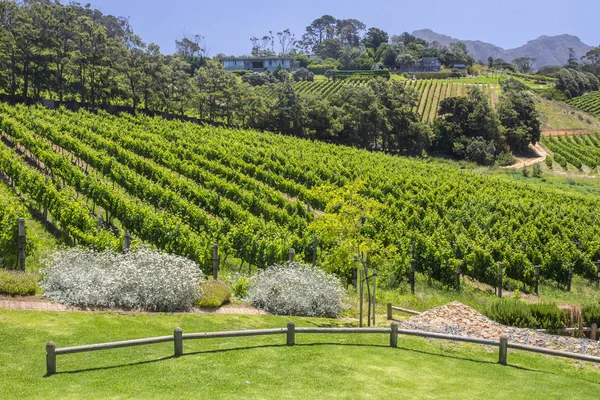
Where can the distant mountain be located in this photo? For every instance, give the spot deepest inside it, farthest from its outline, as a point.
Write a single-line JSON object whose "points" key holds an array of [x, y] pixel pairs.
{"points": [[549, 50]]}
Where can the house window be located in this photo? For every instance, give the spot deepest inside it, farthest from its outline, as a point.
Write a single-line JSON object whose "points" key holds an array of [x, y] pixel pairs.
{"points": [[258, 64]]}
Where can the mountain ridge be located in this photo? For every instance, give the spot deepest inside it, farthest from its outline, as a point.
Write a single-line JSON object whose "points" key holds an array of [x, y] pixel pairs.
{"points": [[549, 50]]}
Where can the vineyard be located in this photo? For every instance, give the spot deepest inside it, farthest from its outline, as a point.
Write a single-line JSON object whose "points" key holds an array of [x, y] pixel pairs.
{"points": [[578, 150], [430, 92], [589, 102], [182, 187]]}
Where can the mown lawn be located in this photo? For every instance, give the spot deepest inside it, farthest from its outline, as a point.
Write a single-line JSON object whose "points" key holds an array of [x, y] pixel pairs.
{"points": [[320, 366]]}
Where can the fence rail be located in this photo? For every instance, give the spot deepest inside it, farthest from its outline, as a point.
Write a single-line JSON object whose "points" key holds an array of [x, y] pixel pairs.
{"points": [[291, 330]]}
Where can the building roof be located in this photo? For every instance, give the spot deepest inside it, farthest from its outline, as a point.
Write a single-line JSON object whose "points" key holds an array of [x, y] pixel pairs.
{"points": [[257, 58]]}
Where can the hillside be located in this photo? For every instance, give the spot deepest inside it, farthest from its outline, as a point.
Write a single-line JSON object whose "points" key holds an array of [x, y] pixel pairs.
{"points": [[549, 50], [430, 92], [183, 187]]}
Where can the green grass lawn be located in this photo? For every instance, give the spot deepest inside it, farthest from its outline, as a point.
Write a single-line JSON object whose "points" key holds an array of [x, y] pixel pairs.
{"points": [[320, 366]]}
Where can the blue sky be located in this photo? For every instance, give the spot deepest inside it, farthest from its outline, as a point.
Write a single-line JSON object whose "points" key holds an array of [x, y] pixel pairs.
{"points": [[227, 25]]}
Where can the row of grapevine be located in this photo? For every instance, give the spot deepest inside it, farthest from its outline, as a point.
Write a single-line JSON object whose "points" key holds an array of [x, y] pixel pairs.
{"points": [[589, 102], [577, 150]]}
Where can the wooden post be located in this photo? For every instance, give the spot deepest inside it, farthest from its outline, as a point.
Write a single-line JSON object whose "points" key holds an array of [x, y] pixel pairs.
{"points": [[394, 335], [178, 340], [291, 333], [99, 222], [360, 295], [21, 244], [355, 277], [215, 260], [598, 268], [570, 277], [458, 277], [291, 255], [389, 311], [50, 358], [500, 277], [374, 294], [412, 275], [315, 245], [127, 243], [594, 332], [503, 350], [537, 279]]}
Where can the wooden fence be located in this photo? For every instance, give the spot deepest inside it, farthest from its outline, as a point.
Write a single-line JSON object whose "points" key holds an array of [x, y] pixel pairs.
{"points": [[290, 331]]}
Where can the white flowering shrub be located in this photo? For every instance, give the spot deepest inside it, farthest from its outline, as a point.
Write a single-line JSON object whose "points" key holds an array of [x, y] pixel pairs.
{"points": [[143, 279], [296, 289]]}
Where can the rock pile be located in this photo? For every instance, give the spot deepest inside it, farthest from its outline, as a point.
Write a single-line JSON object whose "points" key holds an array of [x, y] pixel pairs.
{"points": [[458, 319]]}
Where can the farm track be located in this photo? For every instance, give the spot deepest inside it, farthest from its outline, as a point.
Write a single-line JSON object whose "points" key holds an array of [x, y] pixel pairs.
{"points": [[527, 161]]}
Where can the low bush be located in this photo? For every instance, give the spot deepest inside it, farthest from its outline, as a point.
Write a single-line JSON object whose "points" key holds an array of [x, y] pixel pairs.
{"points": [[16, 283], [213, 293], [511, 312], [505, 159], [537, 171], [517, 313], [591, 314], [143, 279], [549, 316], [296, 289]]}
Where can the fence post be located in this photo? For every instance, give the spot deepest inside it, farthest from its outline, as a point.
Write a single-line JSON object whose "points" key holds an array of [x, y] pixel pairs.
{"points": [[374, 293], [292, 254], [178, 340], [412, 275], [394, 335], [50, 358], [215, 260], [570, 277], [537, 279], [291, 333], [315, 245], [503, 350], [389, 310], [500, 272], [360, 294], [21, 244], [127, 243], [594, 333], [458, 277]]}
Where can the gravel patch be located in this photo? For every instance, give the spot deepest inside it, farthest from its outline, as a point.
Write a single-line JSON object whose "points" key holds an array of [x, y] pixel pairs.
{"points": [[458, 319]]}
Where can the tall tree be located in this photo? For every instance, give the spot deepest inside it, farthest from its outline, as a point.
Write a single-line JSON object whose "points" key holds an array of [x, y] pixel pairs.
{"points": [[524, 64], [374, 38]]}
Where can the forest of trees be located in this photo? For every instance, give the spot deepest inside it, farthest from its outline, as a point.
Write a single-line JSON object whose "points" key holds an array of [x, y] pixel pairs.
{"points": [[76, 53]]}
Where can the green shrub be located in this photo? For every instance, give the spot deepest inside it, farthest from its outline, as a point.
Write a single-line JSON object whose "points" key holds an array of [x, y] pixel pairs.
{"points": [[513, 312], [549, 162], [549, 316], [240, 289], [320, 69], [213, 293], [525, 172], [16, 283], [591, 314], [241, 72], [505, 159], [537, 171]]}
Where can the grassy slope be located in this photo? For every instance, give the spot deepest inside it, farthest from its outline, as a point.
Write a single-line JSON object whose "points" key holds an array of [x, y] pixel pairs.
{"points": [[557, 115], [319, 367]]}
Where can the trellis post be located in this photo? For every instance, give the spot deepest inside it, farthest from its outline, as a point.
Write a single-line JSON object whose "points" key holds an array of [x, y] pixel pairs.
{"points": [[215, 260], [21, 243]]}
